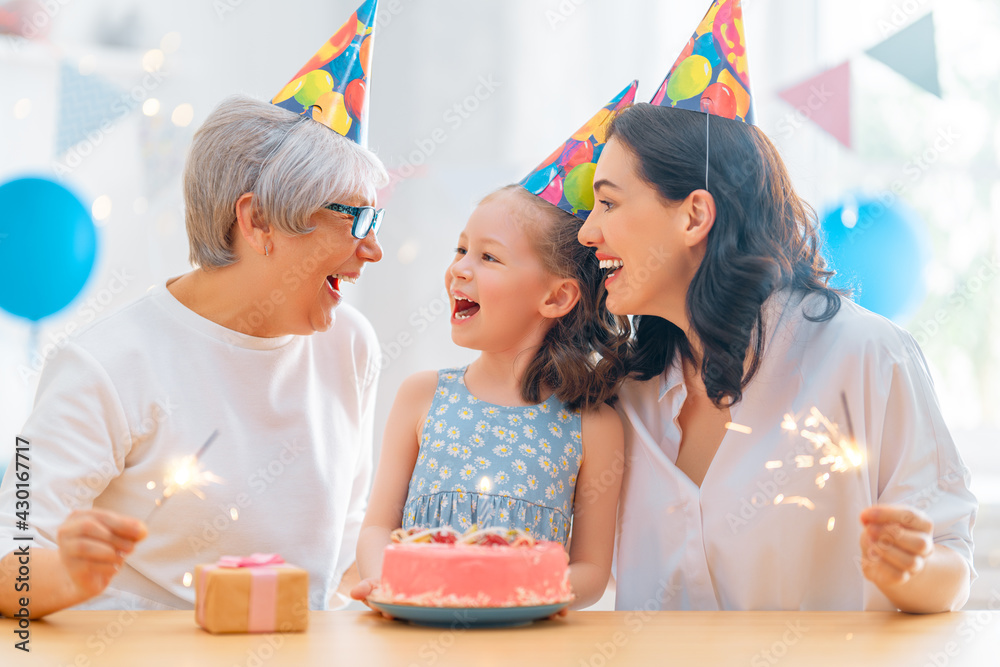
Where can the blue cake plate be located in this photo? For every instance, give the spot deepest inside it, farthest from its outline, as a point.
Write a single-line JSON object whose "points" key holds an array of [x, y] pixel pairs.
{"points": [[468, 617]]}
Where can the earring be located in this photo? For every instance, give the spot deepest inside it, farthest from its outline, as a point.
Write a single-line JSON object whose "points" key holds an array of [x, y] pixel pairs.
{"points": [[265, 251]]}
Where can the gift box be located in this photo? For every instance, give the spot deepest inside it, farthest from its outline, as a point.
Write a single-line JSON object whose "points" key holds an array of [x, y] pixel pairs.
{"points": [[258, 593]]}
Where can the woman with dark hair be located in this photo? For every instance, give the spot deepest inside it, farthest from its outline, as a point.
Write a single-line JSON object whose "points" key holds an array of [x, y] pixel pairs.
{"points": [[784, 447], [771, 424], [726, 502]]}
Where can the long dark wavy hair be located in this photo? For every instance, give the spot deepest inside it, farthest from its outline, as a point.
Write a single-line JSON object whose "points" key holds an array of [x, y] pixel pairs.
{"points": [[580, 359], [764, 239]]}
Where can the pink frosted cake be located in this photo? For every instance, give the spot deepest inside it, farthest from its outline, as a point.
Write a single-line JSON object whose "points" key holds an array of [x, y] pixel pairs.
{"points": [[483, 568]]}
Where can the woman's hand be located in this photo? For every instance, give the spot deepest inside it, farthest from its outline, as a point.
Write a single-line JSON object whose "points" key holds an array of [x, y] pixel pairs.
{"points": [[895, 544], [93, 545]]}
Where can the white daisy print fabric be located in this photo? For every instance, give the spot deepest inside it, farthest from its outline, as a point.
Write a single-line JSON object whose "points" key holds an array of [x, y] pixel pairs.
{"points": [[488, 467]]}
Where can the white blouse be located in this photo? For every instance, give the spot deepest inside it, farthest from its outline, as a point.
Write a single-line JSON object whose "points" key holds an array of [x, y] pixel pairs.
{"points": [[775, 524]]}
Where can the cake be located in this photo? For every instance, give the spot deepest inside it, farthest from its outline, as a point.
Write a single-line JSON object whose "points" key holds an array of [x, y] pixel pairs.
{"points": [[481, 568]]}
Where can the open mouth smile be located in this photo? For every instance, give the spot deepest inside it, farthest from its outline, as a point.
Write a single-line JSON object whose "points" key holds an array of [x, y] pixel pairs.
{"points": [[334, 280], [463, 308], [613, 265]]}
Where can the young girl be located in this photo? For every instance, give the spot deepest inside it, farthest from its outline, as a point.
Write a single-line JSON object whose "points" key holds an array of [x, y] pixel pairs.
{"points": [[522, 437]]}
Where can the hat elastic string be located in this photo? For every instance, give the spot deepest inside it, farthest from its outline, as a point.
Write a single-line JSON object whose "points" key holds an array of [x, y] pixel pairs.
{"points": [[707, 119]]}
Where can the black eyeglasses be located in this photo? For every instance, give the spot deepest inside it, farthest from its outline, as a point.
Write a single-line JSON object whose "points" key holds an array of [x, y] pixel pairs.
{"points": [[366, 218]]}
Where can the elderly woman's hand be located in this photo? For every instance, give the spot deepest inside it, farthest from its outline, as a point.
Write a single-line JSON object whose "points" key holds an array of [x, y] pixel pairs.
{"points": [[93, 545]]}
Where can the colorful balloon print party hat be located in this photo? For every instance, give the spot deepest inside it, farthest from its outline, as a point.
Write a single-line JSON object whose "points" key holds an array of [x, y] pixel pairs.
{"points": [[711, 73], [333, 85], [566, 178]]}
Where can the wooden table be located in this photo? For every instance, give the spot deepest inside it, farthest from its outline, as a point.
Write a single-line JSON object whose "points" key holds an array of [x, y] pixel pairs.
{"points": [[582, 639]]}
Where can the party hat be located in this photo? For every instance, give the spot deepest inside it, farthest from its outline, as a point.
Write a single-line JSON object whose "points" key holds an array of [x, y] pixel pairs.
{"points": [[566, 178], [711, 74], [333, 85]]}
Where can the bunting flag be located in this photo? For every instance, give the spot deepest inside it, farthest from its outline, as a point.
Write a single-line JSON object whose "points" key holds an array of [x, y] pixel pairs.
{"points": [[912, 52], [86, 104], [25, 18], [825, 99]]}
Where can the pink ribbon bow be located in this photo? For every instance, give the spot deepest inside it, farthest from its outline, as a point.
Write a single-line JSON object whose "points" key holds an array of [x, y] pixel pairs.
{"points": [[253, 560]]}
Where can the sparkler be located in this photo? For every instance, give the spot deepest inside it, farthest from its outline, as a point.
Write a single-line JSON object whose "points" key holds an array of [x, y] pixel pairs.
{"points": [[739, 428], [847, 413], [831, 447], [187, 474], [831, 450]]}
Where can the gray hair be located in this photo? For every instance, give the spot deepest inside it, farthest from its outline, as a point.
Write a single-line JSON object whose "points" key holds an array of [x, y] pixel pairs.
{"points": [[292, 165]]}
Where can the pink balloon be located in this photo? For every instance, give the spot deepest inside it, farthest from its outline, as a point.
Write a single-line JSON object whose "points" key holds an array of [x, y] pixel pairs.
{"points": [[553, 194]]}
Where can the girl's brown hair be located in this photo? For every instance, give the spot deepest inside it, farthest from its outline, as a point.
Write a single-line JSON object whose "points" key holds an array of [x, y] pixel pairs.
{"points": [[580, 357]]}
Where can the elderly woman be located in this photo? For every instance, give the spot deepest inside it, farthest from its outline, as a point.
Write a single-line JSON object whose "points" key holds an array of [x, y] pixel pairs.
{"points": [[279, 216]]}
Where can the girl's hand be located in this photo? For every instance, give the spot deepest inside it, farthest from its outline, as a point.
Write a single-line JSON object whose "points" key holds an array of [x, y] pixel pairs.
{"points": [[365, 588], [93, 545], [895, 544]]}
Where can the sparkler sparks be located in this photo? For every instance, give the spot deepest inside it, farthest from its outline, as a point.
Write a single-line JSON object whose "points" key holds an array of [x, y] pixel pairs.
{"points": [[801, 501], [186, 474], [739, 428], [833, 452], [838, 452]]}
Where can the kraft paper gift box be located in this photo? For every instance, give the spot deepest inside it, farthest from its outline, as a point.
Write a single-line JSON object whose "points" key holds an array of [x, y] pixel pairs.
{"points": [[258, 593]]}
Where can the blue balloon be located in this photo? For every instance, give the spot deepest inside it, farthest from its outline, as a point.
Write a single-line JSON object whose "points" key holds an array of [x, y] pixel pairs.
{"points": [[47, 247], [705, 46], [878, 248], [537, 182]]}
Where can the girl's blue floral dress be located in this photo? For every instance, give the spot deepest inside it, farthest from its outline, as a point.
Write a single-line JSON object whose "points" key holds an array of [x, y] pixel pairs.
{"points": [[493, 465]]}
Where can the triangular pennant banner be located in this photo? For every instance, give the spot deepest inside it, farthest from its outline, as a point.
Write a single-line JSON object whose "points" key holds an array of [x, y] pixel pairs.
{"points": [[86, 102], [912, 52], [825, 99]]}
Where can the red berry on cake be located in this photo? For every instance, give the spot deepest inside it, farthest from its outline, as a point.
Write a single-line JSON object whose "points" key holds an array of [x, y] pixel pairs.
{"points": [[491, 539], [444, 537]]}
